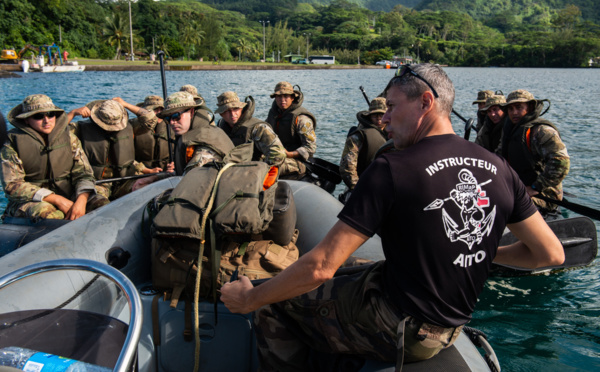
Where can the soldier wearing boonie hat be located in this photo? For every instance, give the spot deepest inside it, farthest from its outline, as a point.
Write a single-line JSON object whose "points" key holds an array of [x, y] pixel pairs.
{"points": [[26, 163], [482, 95], [534, 149], [194, 92], [241, 127], [295, 126], [492, 116], [107, 139], [150, 132], [197, 140], [362, 143]]}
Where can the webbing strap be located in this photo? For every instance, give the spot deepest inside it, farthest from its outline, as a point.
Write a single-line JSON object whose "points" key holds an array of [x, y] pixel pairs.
{"points": [[238, 195], [211, 200], [400, 345]]}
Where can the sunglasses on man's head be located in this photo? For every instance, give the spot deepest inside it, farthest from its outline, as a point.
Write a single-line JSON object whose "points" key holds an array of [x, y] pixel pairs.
{"points": [[405, 69], [174, 116], [42, 115]]}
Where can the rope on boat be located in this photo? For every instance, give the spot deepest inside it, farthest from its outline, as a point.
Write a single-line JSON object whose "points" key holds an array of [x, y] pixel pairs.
{"points": [[479, 339], [199, 272]]}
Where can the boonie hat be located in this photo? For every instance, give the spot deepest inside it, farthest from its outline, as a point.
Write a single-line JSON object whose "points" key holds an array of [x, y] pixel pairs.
{"points": [[178, 101], [495, 100], [152, 102], [377, 106], [283, 87], [191, 90], [227, 101], [109, 115], [483, 95], [32, 105], [519, 95]]}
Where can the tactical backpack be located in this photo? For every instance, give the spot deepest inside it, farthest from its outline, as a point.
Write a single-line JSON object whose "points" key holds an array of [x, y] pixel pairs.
{"points": [[221, 216]]}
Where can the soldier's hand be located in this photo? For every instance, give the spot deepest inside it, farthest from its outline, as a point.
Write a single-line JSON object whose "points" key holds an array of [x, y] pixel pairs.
{"points": [[171, 167], [77, 209], [152, 170], [60, 202], [234, 295], [143, 182]]}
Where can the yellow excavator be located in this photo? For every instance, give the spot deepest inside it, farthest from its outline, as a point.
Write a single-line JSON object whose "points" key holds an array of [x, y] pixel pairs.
{"points": [[12, 56]]}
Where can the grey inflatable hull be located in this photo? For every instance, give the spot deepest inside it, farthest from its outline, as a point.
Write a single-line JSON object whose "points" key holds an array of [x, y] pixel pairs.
{"points": [[120, 225]]}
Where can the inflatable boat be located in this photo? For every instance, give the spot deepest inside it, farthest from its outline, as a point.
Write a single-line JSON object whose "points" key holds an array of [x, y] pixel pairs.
{"points": [[114, 234]]}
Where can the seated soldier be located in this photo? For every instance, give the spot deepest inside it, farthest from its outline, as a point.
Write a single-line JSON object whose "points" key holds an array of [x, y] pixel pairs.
{"points": [[45, 173], [363, 142], [149, 132], [295, 127], [239, 124], [194, 92], [492, 116], [107, 139], [197, 141]]}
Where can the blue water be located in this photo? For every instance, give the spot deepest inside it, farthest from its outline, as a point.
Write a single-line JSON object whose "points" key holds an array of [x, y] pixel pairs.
{"points": [[535, 323]]}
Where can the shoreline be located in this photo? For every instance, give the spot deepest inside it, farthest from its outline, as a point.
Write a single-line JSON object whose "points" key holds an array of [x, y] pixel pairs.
{"points": [[7, 69]]}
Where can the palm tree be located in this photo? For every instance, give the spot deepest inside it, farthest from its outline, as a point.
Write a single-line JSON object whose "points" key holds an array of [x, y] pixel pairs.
{"points": [[191, 36], [115, 32], [242, 47]]}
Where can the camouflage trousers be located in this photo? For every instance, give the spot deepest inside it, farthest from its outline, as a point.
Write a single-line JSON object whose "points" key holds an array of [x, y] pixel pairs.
{"points": [[292, 169], [347, 315], [45, 210]]}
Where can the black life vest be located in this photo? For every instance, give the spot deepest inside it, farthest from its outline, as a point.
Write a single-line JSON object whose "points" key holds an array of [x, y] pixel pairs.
{"points": [[49, 165], [373, 139], [108, 150], [282, 122], [490, 134]]}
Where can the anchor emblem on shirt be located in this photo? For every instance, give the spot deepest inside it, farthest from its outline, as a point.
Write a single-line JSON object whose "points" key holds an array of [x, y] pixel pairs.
{"points": [[471, 199]]}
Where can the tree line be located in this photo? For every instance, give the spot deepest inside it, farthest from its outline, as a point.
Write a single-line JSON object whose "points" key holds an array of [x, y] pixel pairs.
{"points": [[234, 31]]}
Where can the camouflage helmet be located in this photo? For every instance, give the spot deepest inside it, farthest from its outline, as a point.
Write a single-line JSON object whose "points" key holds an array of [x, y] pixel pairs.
{"points": [[152, 102], [519, 95], [495, 100], [482, 95], [178, 101], [283, 87], [191, 90], [227, 101], [109, 115], [32, 105], [377, 106]]}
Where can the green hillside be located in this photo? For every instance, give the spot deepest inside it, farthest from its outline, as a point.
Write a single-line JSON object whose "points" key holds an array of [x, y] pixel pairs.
{"points": [[537, 36]]}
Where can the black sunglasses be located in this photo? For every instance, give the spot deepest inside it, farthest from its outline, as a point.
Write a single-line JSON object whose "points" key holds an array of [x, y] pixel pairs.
{"points": [[405, 69], [42, 115], [175, 116]]}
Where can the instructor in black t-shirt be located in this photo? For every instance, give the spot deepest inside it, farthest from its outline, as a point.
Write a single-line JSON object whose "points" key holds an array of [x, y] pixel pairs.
{"points": [[440, 206]]}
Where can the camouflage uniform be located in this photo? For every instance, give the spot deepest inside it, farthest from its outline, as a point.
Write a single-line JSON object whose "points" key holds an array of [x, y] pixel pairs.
{"points": [[544, 162], [111, 117], [268, 147], [150, 135], [355, 149], [482, 95], [194, 92], [25, 197], [346, 315], [295, 127], [490, 134], [206, 142]]}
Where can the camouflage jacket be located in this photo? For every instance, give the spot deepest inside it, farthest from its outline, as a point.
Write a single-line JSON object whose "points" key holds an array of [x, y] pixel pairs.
{"points": [[17, 189]]}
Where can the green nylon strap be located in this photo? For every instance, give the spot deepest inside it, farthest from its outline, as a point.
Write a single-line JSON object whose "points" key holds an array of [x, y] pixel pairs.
{"points": [[242, 249], [238, 195]]}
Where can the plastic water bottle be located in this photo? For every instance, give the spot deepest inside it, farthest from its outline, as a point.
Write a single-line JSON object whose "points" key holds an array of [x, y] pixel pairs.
{"points": [[34, 361]]}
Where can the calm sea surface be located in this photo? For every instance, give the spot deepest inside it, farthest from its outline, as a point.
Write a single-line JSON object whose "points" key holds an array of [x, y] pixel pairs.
{"points": [[535, 323]]}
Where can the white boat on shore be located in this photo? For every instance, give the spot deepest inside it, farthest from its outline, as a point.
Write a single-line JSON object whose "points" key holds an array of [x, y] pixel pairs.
{"points": [[41, 67]]}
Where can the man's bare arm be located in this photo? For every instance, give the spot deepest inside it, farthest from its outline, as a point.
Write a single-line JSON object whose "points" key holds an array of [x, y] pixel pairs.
{"points": [[306, 274], [537, 245]]}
